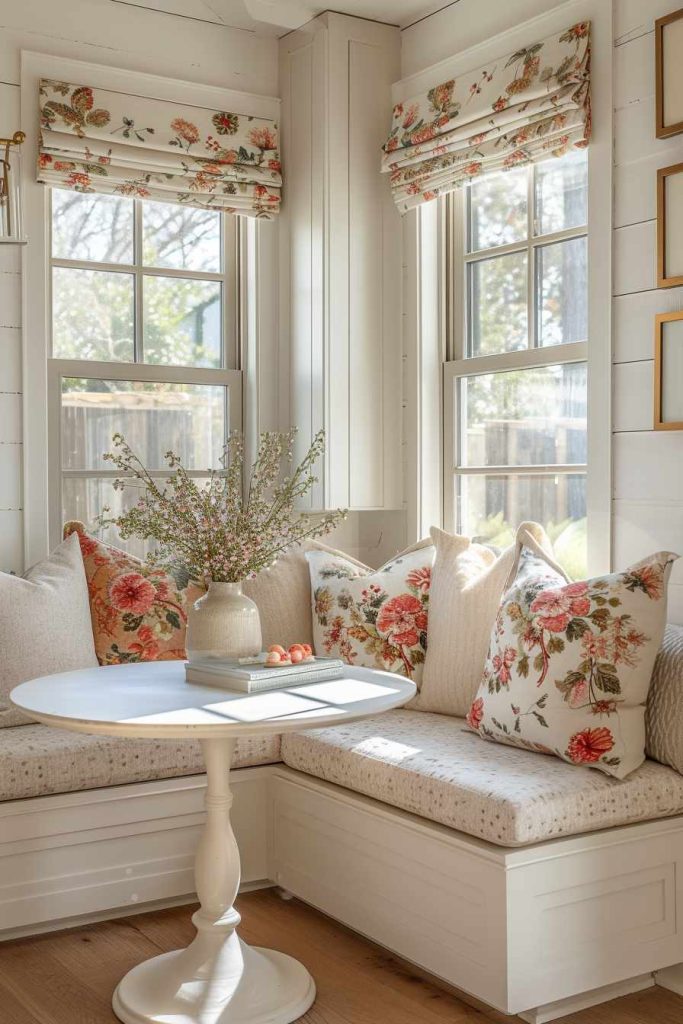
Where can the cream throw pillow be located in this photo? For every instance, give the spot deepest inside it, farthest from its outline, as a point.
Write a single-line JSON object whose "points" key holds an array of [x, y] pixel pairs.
{"points": [[45, 624], [468, 581]]}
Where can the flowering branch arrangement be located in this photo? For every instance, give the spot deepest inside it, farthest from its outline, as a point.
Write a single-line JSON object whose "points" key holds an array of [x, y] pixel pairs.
{"points": [[219, 530]]}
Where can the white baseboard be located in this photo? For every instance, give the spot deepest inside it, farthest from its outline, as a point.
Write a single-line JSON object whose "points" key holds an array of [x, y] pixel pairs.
{"points": [[671, 978], [563, 1007]]}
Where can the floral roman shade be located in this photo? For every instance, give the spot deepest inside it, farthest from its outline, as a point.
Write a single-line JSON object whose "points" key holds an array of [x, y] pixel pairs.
{"points": [[530, 106], [93, 140]]}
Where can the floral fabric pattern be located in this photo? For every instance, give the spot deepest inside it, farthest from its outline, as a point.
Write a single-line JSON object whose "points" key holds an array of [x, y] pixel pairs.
{"points": [[569, 664], [138, 613], [375, 619], [93, 140], [530, 106]]}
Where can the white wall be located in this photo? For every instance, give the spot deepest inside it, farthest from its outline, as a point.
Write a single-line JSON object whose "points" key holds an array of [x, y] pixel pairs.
{"points": [[648, 465], [123, 36], [647, 502]]}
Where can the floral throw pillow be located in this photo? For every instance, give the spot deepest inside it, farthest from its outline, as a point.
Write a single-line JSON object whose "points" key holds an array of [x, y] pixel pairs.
{"points": [[373, 618], [138, 613], [569, 664]]}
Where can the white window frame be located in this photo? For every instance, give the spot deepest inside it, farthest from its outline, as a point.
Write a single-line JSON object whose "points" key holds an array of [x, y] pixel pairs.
{"points": [[461, 365], [255, 337], [227, 376]]}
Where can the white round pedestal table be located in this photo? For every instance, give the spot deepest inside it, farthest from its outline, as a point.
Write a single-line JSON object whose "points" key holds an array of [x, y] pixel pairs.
{"points": [[218, 979]]}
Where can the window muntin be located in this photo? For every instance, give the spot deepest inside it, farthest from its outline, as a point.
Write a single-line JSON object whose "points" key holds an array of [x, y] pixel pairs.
{"points": [[143, 342], [516, 417]]}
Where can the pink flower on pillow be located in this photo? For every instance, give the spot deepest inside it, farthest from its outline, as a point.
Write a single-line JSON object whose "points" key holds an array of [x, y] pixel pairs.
{"points": [[475, 714], [420, 579], [132, 593], [501, 665], [146, 648], [402, 619], [590, 745], [555, 608]]}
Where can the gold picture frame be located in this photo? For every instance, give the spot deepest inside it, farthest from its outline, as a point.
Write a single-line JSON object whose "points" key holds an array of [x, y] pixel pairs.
{"points": [[670, 226], [669, 74], [668, 390]]}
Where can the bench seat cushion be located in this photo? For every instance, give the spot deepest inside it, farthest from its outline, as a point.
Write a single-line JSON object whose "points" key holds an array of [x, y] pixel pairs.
{"points": [[36, 760], [430, 765]]}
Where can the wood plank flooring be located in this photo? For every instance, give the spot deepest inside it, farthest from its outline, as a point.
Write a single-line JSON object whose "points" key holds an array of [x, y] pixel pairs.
{"points": [[68, 977]]}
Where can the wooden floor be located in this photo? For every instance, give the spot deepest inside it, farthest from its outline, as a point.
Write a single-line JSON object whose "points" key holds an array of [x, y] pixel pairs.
{"points": [[68, 977]]}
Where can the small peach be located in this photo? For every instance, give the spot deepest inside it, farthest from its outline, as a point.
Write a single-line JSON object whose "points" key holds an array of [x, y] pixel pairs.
{"points": [[297, 656], [273, 658], [308, 650], [276, 649]]}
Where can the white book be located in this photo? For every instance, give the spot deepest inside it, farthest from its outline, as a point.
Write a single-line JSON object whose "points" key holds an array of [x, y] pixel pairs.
{"points": [[258, 670], [272, 681]]}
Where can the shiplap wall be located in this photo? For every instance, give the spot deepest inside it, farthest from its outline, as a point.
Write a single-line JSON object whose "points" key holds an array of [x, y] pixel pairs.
{"points": [[120, 35], [647, 464], [647, 504]]}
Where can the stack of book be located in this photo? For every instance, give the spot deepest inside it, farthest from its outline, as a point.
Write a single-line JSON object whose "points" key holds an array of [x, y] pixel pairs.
{"points": [[255, 677]]}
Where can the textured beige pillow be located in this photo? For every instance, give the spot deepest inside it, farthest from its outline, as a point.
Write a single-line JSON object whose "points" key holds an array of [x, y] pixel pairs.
{"points": [[45, 624], [664, 710], [467, 584], [283, 596]]}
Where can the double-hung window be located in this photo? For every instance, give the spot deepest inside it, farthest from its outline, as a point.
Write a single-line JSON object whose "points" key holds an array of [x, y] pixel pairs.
{"points": [[515, 398], [144, 325]]}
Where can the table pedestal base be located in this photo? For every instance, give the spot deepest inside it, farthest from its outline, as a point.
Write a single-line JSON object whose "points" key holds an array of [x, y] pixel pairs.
{"points": [[240, 985], [218, 979]]}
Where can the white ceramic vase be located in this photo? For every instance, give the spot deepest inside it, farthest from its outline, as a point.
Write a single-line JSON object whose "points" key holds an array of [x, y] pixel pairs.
{"points": [[223, 623]]}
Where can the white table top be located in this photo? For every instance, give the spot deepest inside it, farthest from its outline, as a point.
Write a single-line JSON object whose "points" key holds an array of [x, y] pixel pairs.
{"points": [[153, 699]]}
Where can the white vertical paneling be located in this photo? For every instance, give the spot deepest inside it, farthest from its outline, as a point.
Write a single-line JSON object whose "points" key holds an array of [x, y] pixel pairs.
{"points": [[132, 37], [633, 18], [11, 541], [648, 483], [374, 286], [10, 476], [10, 359], [10, 418], [647, 466], [345, 265], [642, 527], [302, 226], [634, 318], [632, 391], [634, 258]]}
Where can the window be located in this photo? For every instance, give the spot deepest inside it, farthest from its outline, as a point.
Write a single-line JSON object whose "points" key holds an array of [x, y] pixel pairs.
{"points": [[516, 382], [144, 329]]}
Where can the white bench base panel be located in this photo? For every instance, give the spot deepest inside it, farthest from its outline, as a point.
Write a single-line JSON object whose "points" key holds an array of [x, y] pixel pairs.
{"points": [[541, 930], [517, 928]]}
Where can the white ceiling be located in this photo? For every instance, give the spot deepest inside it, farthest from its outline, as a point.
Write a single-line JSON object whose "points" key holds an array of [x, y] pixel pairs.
{"points": [[275, 17]]}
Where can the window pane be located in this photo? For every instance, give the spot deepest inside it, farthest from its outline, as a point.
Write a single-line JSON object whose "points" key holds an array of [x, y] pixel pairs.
{"points": [[85, 498], [188, 419], [562, 193], [498, 210], [182, 322], [491, 508], [562, 292], [181, 237], [92, 314], [498, 304], [525, 417], [91, 227]]}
